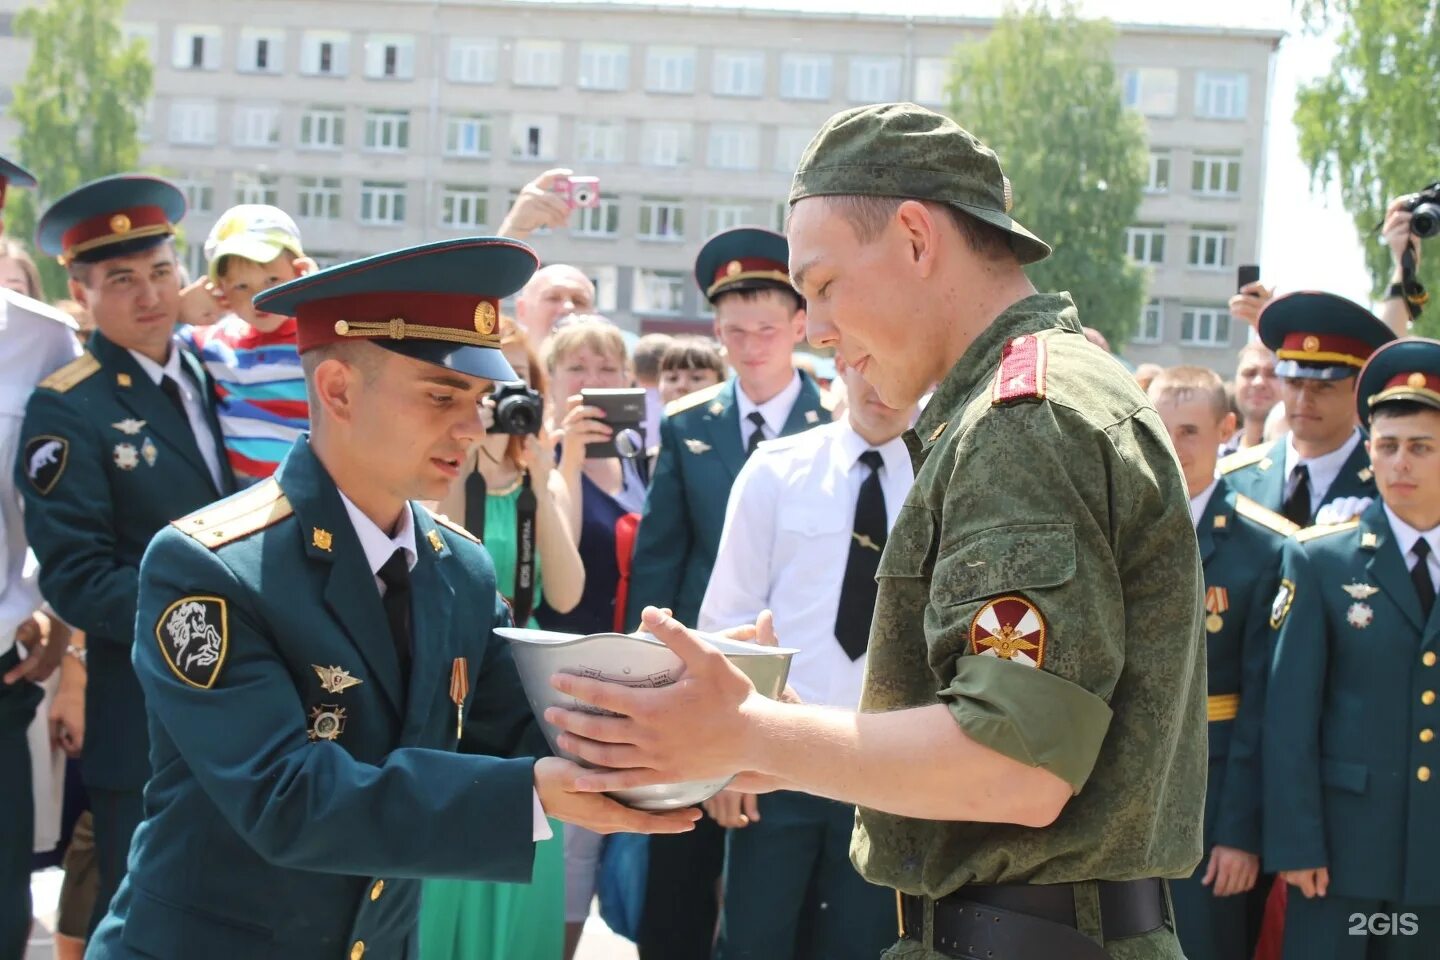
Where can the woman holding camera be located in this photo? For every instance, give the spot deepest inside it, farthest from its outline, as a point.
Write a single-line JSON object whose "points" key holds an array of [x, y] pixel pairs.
{"points": [[463, 919]]}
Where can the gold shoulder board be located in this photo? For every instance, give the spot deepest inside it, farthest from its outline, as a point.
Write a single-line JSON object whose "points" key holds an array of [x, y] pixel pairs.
{"points": [[1243, 458], [72, 373], [1265, 517], [251, 511], [693, 399], [449, 524], [1324, 530]]}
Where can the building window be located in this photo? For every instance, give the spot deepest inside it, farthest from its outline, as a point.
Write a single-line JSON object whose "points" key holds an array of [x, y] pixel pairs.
{"points": [[600, 141], [1216, 175], [790, 144], [473, 60], [932, 77], [874, 79], [601, 221], [387, 131], [779, 215], [725, 216], [319, 198], [257, 125], [666, 144], [805, 76], [670, 70], [662, 219], [463, 208], [261, 51], [604, 66], [1221, 96], [382, 204], [538, 63], [1146, 244], [146, 33], [1205, 327], [1211, 248], [390, 57], [1159, 178], [533, 137], [199, 194], [1154, 91], [739, 73], [192, 122], [325, 53], [1150, 320], [734, 147], [467, 136], [607, 288], [144, 118], [257, 188], [659, 291], [322, 128], [196, 47]]}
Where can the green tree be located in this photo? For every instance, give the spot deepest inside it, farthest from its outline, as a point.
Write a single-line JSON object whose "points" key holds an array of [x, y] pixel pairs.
{"points": [[78, 107], [1041, 90], [1371, 124]]}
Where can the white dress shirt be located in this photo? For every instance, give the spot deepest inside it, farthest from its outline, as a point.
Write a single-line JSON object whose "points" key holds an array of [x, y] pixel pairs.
{"points": [[35, 341], [785, 544], [1405, 538], [1200, 501], [1323, 469], [776, 410], [195, 410], [379, 547]]}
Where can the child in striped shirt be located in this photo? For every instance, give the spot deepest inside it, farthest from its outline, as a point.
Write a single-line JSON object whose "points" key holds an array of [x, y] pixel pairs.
{"points": [[252, 354]]}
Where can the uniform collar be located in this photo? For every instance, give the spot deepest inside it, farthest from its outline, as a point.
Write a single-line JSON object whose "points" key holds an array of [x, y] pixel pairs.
{"points": [[1035, 313], [851, 445], [776, 410], [1406, 536], [1324, 468], [1200, 501], [155, 371], [378, 545]]}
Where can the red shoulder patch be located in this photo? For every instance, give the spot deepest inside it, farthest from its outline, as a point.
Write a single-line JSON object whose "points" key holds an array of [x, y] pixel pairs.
{"points": [[1022, 371]]}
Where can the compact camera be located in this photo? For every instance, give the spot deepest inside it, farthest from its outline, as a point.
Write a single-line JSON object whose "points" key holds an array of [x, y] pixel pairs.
{"points": [[579, 191], [518, 409]]}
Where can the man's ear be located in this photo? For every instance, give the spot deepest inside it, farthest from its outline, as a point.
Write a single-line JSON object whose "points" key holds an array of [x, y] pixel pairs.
{"points": [[797, 322], [335, 383], [1229, 424], [920, 229], [77, 293]]}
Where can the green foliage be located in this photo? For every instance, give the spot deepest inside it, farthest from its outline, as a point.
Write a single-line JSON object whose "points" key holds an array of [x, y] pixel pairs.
{"points": [[78, 108], [1042, 91], [1373, 124]]}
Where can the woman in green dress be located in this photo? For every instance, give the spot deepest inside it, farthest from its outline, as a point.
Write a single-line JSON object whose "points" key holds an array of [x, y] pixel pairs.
{"points": [[467, 920]]}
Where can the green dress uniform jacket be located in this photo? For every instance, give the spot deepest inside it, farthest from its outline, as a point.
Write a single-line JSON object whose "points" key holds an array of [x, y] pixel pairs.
{"points": [[300, 793], [1042, 581], [106, 461], [1240, 546], [1259, 473], [700, 456]]}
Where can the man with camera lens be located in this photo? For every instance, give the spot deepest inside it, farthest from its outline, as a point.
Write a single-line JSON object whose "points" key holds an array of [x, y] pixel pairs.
{"points": [[1408, 220]]}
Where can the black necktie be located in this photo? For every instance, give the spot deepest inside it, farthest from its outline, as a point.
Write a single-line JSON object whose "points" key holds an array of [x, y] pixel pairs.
{"points": [[857, 592], [395, 574], [171, 389], [758, 434], [1420, 576], [1297, 497]]}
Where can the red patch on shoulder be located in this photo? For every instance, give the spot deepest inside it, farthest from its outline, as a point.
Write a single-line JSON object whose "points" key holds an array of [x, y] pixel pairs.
{"points": [[1011, 628], [1022, 371]]}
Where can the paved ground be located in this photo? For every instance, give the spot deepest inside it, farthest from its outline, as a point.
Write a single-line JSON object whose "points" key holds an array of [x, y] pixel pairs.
{"points": [[597, 944]]}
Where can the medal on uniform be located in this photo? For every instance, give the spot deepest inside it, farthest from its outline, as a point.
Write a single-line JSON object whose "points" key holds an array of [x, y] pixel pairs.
{"points": [[1359, 615], [129, 426], [334, 679], [1217, 601], [696, 446], [1360, 591], [149, 452], [459, 690], [126, 456], [327, 722]]}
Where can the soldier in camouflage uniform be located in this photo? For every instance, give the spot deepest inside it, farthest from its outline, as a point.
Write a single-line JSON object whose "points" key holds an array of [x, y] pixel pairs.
{"points": [[1030, 759]]}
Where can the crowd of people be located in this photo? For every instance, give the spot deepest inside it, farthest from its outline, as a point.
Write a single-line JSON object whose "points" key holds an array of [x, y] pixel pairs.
{"points": [[845, 503]]}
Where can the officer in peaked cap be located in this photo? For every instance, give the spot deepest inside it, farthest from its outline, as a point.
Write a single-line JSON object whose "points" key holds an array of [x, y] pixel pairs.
{"points": [[315, 649], [115, 445], [1351, 764], [1320, 342], [12, 174]]}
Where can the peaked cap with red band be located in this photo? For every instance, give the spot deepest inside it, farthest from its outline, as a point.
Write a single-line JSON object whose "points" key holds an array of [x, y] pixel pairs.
{"points": [[1319, 336], [438, 302], [111, 217], [745, 258], [12, 173], [1407, 369]]}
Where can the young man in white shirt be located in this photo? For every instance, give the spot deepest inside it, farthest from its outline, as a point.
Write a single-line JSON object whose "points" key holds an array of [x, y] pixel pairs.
{"points": [[806, 522]]}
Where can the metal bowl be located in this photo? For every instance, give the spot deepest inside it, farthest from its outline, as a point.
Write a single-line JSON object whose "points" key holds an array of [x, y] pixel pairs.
{"points": [[635, 660]]}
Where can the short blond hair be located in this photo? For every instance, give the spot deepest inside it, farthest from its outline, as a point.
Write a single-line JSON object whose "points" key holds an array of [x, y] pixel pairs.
{"points": [[1191, 383], [598, 334]]}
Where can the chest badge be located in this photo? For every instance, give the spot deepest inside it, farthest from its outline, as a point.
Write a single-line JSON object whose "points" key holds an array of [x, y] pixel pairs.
{"points": [[334, 679], [696, 446], [811, 416], [126, 456], [322, 538], [129, 426], [1359, 615], [327, 722], [1360, 591], [149, 452], [433, 538], [1217, 601]]}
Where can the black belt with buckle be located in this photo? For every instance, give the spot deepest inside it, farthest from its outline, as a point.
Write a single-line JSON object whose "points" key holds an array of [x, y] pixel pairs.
{"points": [[1019, 921]]}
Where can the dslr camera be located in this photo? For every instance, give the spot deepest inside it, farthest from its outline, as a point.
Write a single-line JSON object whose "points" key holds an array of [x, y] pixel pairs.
{"points": [[579, 192], [1425, 206], [518, 409]]}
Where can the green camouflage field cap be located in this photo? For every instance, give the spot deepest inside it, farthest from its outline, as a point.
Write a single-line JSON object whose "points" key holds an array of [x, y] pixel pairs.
{"points": [[904, 150]]}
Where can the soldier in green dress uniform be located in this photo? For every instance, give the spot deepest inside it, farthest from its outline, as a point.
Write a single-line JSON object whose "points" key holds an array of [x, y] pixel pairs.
{"points": [[1352, 769], [1029, 760]]}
